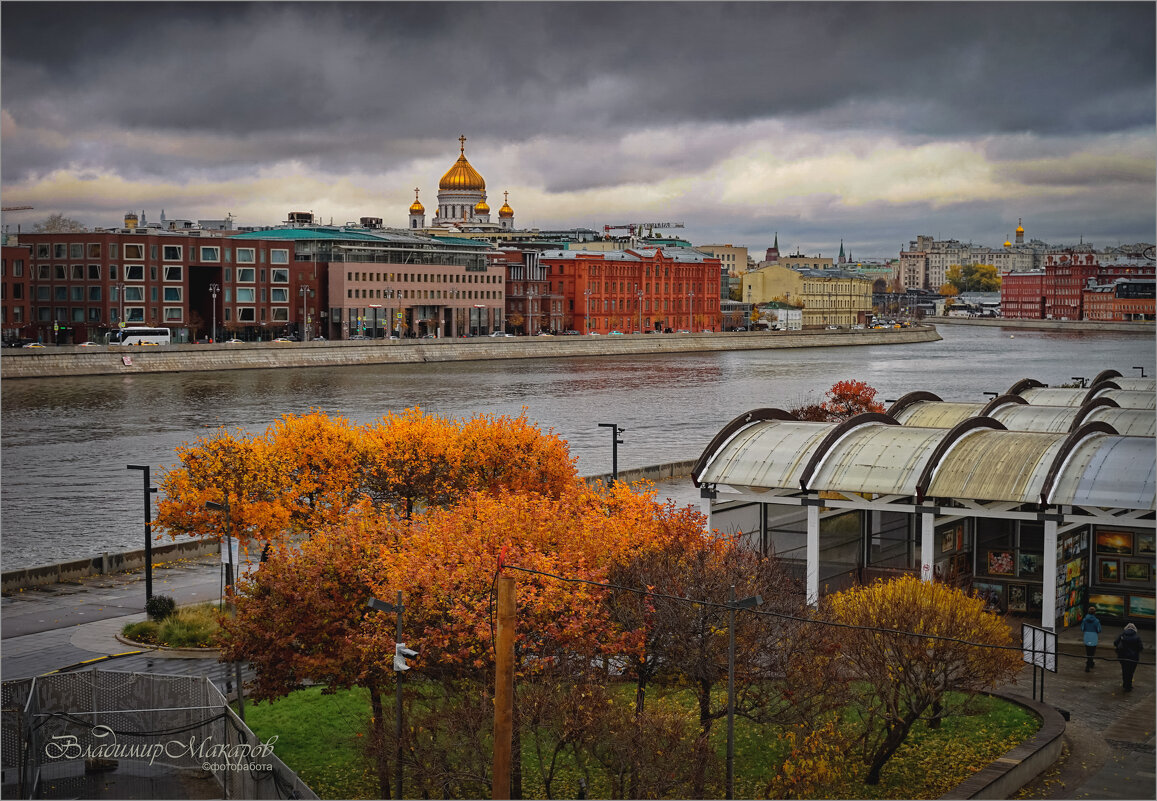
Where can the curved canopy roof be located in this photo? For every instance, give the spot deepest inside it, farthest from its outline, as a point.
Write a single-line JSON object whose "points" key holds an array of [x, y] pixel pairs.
{"points": [[1020, 416], [977, 460]]}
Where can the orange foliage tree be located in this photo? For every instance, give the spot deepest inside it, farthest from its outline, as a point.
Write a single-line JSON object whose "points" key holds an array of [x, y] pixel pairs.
{"points": [[845, 399], [235, 471], [903, 678]]}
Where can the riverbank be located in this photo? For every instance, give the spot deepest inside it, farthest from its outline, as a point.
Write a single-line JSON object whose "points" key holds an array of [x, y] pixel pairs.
{"points": [[1089, 326], [73, 361]]}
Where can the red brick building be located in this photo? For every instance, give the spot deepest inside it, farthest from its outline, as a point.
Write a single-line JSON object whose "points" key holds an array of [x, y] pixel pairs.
{"points": [[82, 285], [1058, 291], [15, 291], [644, 289], [1125, 300]]}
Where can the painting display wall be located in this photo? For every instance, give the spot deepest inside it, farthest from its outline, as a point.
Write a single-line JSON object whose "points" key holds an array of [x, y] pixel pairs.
{"points": [[1122, 581]]}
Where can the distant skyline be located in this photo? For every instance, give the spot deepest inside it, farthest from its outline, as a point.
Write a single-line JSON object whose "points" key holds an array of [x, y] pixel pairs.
{"points": [[865, 122]]}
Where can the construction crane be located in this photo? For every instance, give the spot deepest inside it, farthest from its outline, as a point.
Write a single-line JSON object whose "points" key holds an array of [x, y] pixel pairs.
{"points": [[636, 229]]}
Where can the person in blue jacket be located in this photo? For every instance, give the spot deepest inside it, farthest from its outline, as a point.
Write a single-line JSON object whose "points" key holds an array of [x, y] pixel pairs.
{"points": [[1129, 647], [1092, 633]]}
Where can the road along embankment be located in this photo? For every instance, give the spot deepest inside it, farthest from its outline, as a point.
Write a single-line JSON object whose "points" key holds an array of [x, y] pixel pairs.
{"points": [[71, 360]]}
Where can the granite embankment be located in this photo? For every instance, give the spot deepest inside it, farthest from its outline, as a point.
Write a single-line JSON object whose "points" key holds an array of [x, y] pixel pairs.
{"points": [[77, 361], [1068, 326]]}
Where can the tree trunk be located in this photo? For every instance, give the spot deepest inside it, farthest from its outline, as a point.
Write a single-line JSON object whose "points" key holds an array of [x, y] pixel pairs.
{"points": [[383, 762], [892, 742]]}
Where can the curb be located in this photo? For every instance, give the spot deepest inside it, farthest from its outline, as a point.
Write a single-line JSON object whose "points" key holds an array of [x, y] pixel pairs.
{"points": [[1007, 774], [170, 653]]}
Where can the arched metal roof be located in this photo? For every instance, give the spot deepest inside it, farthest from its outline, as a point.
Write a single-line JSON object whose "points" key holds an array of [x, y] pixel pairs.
{"points": [[1016, 414], [1127, 422], [936, 414], [974, 461], [1065, 396]]}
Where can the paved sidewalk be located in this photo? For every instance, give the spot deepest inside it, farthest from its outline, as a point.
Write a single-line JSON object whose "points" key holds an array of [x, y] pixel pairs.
{"points": [[1110, 748]]}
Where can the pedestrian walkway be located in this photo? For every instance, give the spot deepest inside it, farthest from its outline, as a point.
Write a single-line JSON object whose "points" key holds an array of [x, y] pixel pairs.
{"points": [[1110, 748]]}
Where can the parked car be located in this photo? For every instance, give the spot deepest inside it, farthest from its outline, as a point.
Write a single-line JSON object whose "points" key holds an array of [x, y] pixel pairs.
{"points": [[89, 345], [285, 339], [234, 341], [616, 333], [501, 334], [570, 333], [359, 336], [34, 345]]}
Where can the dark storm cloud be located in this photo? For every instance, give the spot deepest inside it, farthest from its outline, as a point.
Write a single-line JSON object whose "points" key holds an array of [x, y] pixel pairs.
{"points": [[370, 83]]}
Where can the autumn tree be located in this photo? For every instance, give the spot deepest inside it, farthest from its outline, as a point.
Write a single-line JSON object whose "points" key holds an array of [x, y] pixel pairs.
{"points": [[233, 470], [973, 277], [845, 399], [906, 644], [320, 461]]}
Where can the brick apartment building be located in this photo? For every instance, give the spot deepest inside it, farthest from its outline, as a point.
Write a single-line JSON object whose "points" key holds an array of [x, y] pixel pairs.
{"points": [[1058, 290]]}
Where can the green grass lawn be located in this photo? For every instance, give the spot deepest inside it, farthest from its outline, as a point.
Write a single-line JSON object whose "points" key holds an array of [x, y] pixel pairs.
{"points": [[188, 627], [322, 737]]}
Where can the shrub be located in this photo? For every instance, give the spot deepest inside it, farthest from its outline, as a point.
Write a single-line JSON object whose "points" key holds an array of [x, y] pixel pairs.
{"points": [[160, 607]]}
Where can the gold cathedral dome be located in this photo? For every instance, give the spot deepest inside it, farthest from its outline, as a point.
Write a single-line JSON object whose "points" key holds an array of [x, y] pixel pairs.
{"points": [[462, 176], [505, 211], [1019, 226], [416, 207], [481, 207]]}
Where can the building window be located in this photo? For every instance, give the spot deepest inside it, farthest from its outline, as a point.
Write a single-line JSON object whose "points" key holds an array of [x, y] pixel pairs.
{"points": [[174, 272], [77, 272], [246, 275], [76, 294], [60, 272], [210, 254], [280, 314], [59, 251], [173, 314], [78, 314], [246, 255], [134, 314], [94, 293], [76, 250], [134, 251], [42, 250], [245, 314], [94, 250], [60, 293], [280, 276], [173, 294], [134, 272], [278, 256], [94, 272], [135, 294], [94, 315], [245, 295], [172, 252], [112, 272]]}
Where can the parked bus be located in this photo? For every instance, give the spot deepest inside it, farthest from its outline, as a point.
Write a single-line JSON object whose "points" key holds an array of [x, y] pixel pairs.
{"points": [[139, 336]]}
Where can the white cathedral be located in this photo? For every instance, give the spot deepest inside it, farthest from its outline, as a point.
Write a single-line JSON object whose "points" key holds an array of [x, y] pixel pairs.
{"points": [[462, 201]]}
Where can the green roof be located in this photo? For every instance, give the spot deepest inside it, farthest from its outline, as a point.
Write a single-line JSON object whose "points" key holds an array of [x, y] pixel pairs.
{"points": [[316, 233]]}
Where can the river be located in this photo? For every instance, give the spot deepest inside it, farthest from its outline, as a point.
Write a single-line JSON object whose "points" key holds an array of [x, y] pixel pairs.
{"points": [[65, 492]]}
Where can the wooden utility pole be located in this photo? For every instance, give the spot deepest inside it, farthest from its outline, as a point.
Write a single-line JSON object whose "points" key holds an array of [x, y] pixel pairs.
{"points": [[504, 688]]}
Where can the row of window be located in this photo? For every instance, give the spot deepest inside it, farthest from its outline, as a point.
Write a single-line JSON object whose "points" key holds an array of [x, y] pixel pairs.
{"points": [[136, 250], [136, 314], [172, 273], [169, 294], [435, 278], [424, 294]]}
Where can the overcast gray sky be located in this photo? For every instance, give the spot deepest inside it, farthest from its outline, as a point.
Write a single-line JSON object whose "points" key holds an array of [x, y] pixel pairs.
{"points": [[863, 122]]}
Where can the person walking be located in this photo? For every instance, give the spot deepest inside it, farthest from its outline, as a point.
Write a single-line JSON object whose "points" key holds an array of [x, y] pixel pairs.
{"points": [[1092, 633], [1129, 647]]}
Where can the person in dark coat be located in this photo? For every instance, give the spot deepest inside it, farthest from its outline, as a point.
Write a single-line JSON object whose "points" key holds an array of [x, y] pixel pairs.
{"points": [[1129, 647], [1092, 632]]}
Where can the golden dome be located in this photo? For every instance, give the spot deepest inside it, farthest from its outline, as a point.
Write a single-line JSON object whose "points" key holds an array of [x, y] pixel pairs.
{"points": [[481, 208], [462, 176], [1007, 244], [505, 211], [1019, 227], [416, 207]]}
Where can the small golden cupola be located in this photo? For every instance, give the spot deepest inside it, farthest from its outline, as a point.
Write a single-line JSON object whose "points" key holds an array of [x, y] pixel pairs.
{"points": [[481, 208], [462, 176], [416, 207], [1019, 231], [505, 211]]}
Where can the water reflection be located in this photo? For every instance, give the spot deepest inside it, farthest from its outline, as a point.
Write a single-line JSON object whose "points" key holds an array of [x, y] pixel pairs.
{"points": [[66, 492]]}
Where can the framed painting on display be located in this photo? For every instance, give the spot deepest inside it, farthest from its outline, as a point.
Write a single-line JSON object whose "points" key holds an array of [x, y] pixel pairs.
{"points": [[1115, 543]]}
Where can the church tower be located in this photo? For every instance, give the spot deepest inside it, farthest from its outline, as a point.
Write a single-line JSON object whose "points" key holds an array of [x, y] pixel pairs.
{"points": [[417, 212], [506, 214], [1019, 231]]}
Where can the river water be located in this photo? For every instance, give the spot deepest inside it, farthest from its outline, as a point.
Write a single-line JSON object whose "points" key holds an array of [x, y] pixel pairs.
{"points": [[65, 492]]}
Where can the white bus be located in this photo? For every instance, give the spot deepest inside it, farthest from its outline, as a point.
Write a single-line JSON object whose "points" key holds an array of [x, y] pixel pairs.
{"points": [[139, 336]]}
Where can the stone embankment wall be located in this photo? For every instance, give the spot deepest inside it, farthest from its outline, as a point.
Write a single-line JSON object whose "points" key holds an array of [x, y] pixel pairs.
{"points": [[23, 578], [1049, 325], [76, 361]]}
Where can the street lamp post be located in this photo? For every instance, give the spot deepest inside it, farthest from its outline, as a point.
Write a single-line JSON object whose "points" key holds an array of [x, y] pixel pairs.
{"points": [[218, 507], [615, 443], [149, 489], [305, 293], [732, 605], [121, 295], [382, 606], [213, 290], [640, 311], [690, 311], [587, 324]]}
